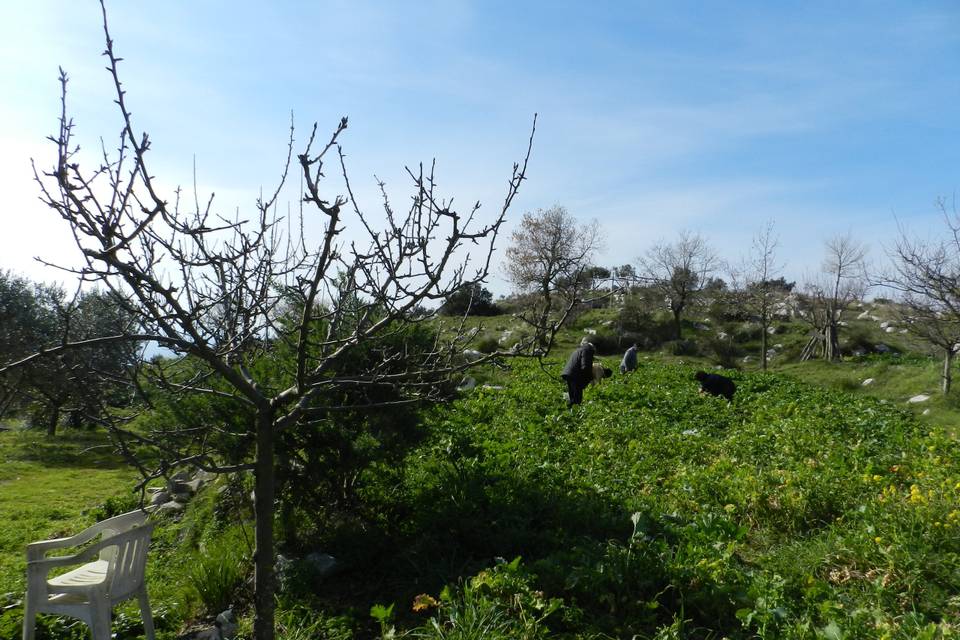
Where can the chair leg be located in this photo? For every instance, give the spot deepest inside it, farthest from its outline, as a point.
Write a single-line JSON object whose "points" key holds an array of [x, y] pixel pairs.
{"points": [[100, 622], [146, 614], [29, 619]]}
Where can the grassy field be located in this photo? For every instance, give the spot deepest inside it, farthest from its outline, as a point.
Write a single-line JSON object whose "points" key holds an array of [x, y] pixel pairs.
{"points": [[794, 512], [810, 507], [51, 488]]}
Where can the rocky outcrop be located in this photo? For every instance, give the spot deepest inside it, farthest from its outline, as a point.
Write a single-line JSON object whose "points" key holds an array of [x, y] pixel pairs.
{"points": [[180, 489]]}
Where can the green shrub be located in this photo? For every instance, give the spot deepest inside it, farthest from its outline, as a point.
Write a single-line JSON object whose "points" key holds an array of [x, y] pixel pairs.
{"points": [[217, 569], [857, 338], [605, 343], [487, 344], [722, 351], [301, 623], [682, 348], [497, 604], [848, 384], [115, 505], [747, 332]]}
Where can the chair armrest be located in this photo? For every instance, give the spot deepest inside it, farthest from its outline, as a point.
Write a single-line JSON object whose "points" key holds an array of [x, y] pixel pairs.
{"points": [[91, 552], [37, 550]]}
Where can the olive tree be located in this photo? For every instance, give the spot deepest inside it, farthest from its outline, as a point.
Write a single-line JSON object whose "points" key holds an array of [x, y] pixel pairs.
{"points": [[28, 318], [221, 292], [76, 382]]}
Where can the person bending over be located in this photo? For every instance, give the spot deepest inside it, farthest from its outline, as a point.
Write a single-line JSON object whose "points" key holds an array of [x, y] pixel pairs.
{"points": [[715, 384], [578, 373], [629, 362], [600, 372]]}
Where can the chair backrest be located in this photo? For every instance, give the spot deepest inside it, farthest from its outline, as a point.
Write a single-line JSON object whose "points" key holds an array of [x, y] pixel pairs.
{"points": [[129, 559], [119, 524]]}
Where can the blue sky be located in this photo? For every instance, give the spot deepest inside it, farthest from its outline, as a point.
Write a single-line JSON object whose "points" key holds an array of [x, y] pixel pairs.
{"points": [[654, 117]]}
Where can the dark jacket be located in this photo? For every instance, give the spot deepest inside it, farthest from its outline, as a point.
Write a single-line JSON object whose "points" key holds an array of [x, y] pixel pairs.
{"points": [[580, 364], [716, 384]]}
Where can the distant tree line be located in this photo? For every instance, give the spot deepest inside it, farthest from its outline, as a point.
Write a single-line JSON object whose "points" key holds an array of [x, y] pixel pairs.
{"points": [[550, 264]]}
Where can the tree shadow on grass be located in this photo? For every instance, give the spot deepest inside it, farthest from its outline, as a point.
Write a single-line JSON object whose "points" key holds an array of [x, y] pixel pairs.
{"points": [[583, 547], [72, 449]]}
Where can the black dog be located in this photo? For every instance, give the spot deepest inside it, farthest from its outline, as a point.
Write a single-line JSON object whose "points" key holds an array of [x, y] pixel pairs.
{"points": [[715, 384]]}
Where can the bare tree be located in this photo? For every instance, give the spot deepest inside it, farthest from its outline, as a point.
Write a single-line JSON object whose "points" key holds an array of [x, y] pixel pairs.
{"points": [[548, 256], [927, 276], [223, 293], [760, 293], [680, 271], [841, 282]]}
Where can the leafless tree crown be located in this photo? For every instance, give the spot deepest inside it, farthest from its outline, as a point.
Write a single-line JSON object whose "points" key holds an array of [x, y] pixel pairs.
{"points": [[679, 270], [548, 254], [841, 282], [757, 293], [222, 291], [926, 275]]}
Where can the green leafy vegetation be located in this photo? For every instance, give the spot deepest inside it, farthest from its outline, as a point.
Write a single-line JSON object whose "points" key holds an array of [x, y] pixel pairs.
{"points": [[792, 509], [796, 511]]}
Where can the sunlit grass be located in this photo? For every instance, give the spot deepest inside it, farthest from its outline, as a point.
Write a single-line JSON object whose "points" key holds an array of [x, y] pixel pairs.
{"points": [[50, 488]]}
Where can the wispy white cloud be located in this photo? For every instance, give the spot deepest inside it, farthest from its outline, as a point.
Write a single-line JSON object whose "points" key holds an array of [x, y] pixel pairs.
{"points": [[652, 118]]}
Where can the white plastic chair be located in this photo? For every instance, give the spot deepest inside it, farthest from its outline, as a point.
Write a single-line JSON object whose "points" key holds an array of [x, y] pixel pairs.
{"points": [[111, 571]]}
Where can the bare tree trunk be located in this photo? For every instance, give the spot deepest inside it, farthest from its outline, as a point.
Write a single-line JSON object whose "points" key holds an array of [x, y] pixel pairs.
{"points": [[677, 326], [831, 343], [263, 585], [543, 341], [763, 346], [53, 420], [946, 377]]}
